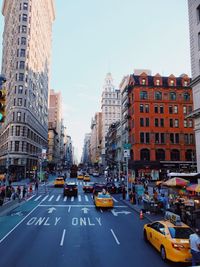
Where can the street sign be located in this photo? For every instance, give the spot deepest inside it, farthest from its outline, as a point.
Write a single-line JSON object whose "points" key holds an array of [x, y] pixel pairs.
{"points": [[127, 146], [127, 153]]}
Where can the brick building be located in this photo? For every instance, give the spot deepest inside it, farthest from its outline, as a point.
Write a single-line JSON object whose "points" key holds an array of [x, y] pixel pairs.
{"points": [[161, 136]]}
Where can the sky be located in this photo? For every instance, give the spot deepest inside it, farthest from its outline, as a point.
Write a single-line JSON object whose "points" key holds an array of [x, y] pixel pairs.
{"points": [[93, 37]]}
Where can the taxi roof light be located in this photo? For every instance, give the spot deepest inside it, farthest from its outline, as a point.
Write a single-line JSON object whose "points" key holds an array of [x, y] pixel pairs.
{"points": [[173, 218]]}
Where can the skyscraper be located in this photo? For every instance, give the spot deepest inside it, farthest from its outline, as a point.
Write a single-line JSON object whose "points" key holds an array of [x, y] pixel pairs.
{"points": [[111, 109], [26, 65]]}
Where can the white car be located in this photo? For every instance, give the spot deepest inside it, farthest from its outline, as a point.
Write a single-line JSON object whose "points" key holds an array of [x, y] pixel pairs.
{"points": [[95, 174]]}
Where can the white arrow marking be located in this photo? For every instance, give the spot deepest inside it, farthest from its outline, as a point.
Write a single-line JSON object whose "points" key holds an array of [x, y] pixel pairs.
{"points": [[85, 210], [115, 213], [50, 210]]}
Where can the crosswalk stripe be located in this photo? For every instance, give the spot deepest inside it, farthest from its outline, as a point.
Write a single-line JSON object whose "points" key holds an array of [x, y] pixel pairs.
{"points": [[79, 197], [115, 200], [65, 198], [37, 198], [86, 198], [45, 198], [58, 198], [51, 198], [72, 198]]}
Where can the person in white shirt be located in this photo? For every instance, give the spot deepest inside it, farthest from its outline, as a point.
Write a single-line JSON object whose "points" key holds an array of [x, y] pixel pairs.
{"points": [[195, 247]]}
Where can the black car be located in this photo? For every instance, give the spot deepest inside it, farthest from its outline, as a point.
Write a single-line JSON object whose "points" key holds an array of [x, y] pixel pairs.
{"points": [[111, 188], [88, 187], [119, 186], [70, 189]]}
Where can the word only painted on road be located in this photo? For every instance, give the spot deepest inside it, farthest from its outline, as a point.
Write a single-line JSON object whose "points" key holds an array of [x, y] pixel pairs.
{"points": [[46, 221], [86, 221]]}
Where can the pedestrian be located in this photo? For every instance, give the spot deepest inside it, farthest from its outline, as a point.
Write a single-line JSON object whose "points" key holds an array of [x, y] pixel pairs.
{"points": [[24, 192], [19, 190], [123, 192], [36, 186], [195, 247]]}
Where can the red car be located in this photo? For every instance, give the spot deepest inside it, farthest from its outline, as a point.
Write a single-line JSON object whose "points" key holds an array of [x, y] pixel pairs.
{"points": [[88, 187]]}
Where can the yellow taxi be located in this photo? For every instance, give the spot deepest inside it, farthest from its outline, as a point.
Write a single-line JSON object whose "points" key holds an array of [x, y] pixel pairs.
{"points": [[170, 237], [59, 182], [86, 178], [80, 177], [103, 200]]}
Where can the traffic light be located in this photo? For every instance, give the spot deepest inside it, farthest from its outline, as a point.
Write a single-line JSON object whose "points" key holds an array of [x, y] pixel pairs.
{"points": [[2, 98]]}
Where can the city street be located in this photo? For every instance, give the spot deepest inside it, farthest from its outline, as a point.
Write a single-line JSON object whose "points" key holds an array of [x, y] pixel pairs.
{"points": [[50, 230]]}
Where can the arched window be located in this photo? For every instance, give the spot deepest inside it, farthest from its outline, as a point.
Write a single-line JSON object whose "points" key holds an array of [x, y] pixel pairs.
{"points": [[175, 154], [144, 154], [158, 95], [186, 97], [160, 154], [172, 96], [143, 95], [189, 155]]}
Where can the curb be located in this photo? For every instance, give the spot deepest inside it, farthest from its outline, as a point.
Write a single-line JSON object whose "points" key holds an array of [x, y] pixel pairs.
{"points": [[7, 207]]}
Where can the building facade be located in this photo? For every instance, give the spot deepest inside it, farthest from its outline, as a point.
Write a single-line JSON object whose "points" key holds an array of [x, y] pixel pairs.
{"points": [[86, 156], [96, 138], [26, 65], [194, 27], [110, 108], [161, 137]]}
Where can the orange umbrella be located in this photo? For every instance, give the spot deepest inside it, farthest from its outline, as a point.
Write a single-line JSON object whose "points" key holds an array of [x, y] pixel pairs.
{"points": [[176, 181], [194, 188]]}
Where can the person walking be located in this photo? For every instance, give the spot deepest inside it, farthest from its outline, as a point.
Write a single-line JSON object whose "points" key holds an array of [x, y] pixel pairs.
{"points": [[24, 192], [36, 186], [123, 192], [194, 240]]}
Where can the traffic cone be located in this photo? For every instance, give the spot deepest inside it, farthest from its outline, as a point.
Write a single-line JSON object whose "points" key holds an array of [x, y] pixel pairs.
{"points": [[141, 215]]}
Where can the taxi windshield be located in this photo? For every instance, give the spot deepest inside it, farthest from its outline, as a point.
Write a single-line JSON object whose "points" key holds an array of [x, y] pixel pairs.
{"points": [[104, 195], [180, 232]]}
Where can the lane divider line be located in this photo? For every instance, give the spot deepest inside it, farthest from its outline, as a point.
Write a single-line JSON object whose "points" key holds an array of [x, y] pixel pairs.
{"points": [[117, 241], [69, 208], [63, 237]]}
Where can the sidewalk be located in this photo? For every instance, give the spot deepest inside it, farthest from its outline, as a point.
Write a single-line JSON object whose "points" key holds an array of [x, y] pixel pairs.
{"points": [[149, 216]]}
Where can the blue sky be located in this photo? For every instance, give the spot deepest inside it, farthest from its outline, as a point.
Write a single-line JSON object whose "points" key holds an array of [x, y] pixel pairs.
{"points": [[92, 37]]}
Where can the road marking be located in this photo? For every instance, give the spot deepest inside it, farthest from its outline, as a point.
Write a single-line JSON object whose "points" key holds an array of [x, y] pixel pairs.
{"points": [[45, 198], [37, 198], [63, 237], [101, 210], [51, 198], [117, 241], [77, 206], [115, 200], [19, 223], [72, 198], [79, 198], [58, 198], [65, 198], [69, 208], [86, 198]]}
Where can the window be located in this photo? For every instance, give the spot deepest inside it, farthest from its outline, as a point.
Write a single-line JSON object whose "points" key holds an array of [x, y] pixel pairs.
{"points": [[23, 145], [147, 138], [171, 82], [23, 40], [191, 139], [147, 122], [24, 17], [176, 123], [20, 89], [157, 82], [190, 123], [22, 65], [186, 139], [25, 6], [147, 108], [185, 83], [157, 139], [142, 138], [161, 122], [22, 53], [19, 116], [189, 155], [175, 109], [198, 14], [160, 154], [176, 138], [156, 109], [172, 138], [24, 29], [16, 65], [141, 108], [199, 40], [184, 110], [21, 77], [143, 95], [185, 123], [170, 110], [158, 95], [171, 123], [162, 138], [144, 154], [16, 145], [141, 122], [23, 131], [17, 133], [156, 122], [161, 109], [12, 130], [175, 155], [186, 97], [143, 81], [19, 101], [172, 96]]}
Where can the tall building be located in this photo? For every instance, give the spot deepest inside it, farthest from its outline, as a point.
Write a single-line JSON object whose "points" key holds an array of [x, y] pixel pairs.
{"points": [[110, 108], [96, 138], [86, 150], [26, 65], [194, 26], [161, 137]]}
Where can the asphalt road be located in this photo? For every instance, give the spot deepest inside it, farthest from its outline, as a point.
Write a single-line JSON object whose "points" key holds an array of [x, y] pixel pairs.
{"points": [[50, 230]]}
